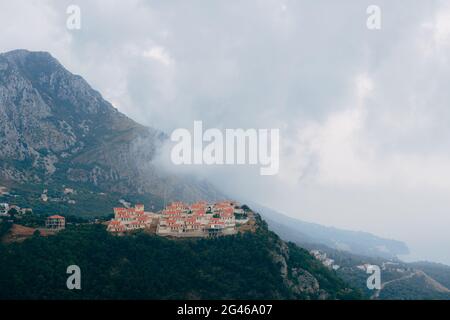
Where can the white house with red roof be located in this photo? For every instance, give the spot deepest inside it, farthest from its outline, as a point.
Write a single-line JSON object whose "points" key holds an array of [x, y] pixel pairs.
{"points": [[129, 219], [55, 222], [199, 219]]}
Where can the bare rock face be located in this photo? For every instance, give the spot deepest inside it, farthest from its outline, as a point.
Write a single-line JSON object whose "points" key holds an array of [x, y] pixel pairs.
{"points": [[306, 282], [301, 282], [55, 127]]}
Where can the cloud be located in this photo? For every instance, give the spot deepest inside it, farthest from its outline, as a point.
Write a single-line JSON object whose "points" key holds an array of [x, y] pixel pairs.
{"points": [[159, 54]]}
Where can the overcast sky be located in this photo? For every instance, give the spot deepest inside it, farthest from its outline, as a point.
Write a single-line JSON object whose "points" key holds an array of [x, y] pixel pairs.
{"points": [[364, 115]]}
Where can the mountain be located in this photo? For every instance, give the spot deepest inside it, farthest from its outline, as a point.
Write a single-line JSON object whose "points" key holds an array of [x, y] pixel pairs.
{"points": [[65, 149], [249, 265], [57, 133], [306, 233], [60, 135]]}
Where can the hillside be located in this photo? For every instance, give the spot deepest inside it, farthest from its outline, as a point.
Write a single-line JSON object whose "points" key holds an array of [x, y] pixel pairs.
{"points": [[306, 233], [399, 280], [56, 132], [250, 265]]}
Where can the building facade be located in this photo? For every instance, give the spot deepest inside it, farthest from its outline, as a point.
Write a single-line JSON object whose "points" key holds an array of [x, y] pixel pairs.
{"points": [[129, 219], [199, 219], [55, 222]]}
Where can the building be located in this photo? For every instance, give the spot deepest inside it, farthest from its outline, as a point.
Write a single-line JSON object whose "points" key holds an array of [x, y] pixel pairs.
{"points": [[179, 219], [199, 219], [322, 257], [55, 222], [68, 191], [129, 219]]}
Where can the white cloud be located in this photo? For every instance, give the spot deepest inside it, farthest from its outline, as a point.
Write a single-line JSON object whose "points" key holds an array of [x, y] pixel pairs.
{"points": [[441, 27], [159, 54]]}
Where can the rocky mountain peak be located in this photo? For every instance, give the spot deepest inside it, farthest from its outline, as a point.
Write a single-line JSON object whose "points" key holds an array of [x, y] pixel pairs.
{"points": [[24, 58], [59, 88]]}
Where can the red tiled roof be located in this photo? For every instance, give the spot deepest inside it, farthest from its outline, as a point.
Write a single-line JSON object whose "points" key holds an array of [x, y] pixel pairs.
{"points": [[56, 217]]}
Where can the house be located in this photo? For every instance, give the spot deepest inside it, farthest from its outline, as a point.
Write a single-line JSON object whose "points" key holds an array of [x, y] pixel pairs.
{"points": [[199, 219], [3, 190], [139, 208], [179, 219], [322, 257], [128, 219], [68, 191], [116, 226], [55, 222]]}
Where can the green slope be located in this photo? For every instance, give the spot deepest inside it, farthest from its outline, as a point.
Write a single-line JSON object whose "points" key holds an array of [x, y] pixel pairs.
{"points": [[140, 266]]}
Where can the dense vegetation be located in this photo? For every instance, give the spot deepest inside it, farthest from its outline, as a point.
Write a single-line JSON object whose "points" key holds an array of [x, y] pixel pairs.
{"points": [[89, 202], [5, 226], [142, 266], [415, 288], [440, 272]]}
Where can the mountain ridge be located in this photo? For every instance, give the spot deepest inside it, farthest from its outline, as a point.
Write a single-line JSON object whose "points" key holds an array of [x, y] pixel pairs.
{"points": [[358, 242]]}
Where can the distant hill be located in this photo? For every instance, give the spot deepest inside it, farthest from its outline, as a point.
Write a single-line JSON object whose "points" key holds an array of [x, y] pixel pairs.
{"points": [[400, 280], [438, 271], [251, 265], [57, 132], [304, 233]]}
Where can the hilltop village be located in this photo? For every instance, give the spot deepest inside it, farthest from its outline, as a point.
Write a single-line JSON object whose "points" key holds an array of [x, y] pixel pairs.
{"points": [[178, 219]]}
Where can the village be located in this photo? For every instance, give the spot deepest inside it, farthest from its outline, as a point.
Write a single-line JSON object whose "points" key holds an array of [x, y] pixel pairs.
{"points": [[178, 219]]}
